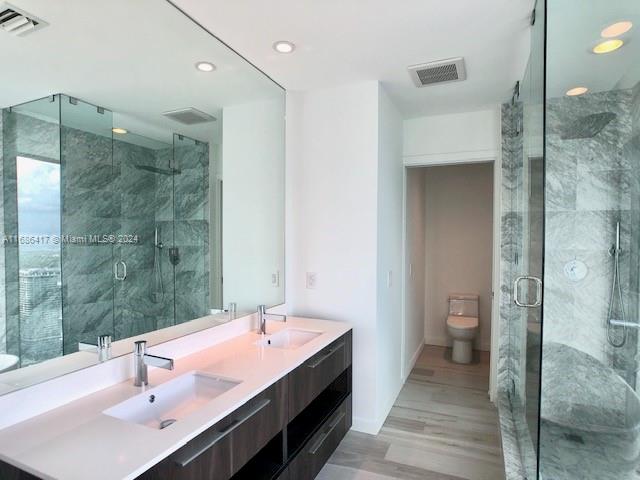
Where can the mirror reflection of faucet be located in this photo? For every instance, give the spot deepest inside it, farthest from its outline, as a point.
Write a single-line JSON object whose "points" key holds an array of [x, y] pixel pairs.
{"points": [[102, 347]]}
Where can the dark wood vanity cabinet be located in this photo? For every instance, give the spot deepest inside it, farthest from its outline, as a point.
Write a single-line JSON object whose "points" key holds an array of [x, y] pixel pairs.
{"points": [[316, 374], [315, 453], [222, 450], [286, 432]]}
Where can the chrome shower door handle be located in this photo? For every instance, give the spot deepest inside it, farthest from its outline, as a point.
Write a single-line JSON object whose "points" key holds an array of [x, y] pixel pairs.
{"points": [[118, 275], [516, 291]]}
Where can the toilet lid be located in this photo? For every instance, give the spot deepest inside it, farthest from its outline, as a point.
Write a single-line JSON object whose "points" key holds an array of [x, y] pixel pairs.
{"points": [[458, 321]]}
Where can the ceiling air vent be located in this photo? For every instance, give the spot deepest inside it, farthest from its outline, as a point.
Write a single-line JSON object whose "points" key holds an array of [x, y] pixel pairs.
{"points": [[449, 70], [189, 116], [18, 22]]}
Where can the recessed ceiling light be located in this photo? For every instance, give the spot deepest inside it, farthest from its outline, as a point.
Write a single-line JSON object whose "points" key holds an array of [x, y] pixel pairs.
{"points": [[120, 131], [608, 46], [284, 46], [574, 92], [616, 29], [205, 66]]}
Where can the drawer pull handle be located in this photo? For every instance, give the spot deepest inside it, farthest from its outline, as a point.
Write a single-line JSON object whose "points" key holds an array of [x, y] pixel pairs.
{"points": [[332, 426], [326, 355], [185, 458]]}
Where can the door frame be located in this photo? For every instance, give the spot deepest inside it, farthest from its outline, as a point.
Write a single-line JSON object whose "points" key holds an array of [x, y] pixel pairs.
{"points": [[495, 158]]}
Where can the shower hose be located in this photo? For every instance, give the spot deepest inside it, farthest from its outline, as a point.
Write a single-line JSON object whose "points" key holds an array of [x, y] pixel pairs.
{"points": [[616, 288]]}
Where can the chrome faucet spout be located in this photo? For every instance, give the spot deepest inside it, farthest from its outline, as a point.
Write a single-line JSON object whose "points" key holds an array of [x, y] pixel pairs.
{"points": [[141, 359], [262, 318]]}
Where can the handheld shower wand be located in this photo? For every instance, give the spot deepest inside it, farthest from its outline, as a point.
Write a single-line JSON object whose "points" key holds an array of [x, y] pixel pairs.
{"points": [[157, 294], [616, 288]]}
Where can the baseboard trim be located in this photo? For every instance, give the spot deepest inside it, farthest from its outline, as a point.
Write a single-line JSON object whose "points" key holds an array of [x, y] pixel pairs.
{"points": [[445, 342], [366, 425], [412, 362]]}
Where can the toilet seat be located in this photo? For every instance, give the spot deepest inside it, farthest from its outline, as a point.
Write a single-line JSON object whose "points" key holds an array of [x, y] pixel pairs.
{"points": [[458, 321]]}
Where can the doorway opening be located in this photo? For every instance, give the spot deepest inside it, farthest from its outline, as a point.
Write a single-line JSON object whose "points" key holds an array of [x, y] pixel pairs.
{"points": [[449, 258]]}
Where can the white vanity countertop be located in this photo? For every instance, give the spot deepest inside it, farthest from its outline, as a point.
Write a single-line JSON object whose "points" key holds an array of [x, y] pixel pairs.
{"points": [[78, 441]]}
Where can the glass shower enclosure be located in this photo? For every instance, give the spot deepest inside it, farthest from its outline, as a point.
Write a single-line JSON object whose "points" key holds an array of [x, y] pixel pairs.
{"points": [[590, 411], [571, 218], [99, 227]]}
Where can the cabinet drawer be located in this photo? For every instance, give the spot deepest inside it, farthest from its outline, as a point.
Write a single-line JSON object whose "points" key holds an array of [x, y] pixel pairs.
{"points": [[308, 463], [312, 377], [206, 457], [264, 417], [224, 448]]}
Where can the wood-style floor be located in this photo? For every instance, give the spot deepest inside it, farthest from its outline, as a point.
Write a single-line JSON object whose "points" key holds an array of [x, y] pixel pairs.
{"points": [[442, 427]]}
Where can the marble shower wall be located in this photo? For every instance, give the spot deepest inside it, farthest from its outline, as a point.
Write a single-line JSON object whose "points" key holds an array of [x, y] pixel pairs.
{"points": [[591, 170]]}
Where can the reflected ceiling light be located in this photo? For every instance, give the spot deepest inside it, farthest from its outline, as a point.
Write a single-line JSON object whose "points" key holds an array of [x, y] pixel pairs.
{"points": [[574, 92], [120, 131], [283, 46], [608, 46], [616, 29], [205, 66]]}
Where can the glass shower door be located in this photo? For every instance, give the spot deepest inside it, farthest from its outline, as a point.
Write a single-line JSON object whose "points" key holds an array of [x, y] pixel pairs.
{"points": [[31, 291], [527, 229], [590, 409], [189, 254], [88, 217]]}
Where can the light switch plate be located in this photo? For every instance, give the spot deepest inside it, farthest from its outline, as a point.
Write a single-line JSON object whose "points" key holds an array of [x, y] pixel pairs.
{"points": [[275, 279]]}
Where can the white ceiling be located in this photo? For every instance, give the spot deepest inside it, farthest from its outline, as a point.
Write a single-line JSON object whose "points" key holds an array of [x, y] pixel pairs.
{"points": [[344, 41], [573, 31], [135, 58]]}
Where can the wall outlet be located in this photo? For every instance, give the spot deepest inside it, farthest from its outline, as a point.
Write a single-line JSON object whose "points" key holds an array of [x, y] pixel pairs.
{"points": [[275, 279], [389, 278], [312, 278]]}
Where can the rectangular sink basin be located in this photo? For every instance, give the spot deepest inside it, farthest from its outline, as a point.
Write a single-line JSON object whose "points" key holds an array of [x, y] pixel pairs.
{"points": [[165, 404], [289, 338]]}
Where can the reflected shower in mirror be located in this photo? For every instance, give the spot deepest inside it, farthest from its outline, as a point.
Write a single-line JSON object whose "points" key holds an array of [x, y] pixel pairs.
{"points": [[131, 199]]}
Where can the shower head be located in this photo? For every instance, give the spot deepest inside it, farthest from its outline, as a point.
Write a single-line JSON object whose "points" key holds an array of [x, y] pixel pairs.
{"points": [[587, 126], [161, 171]]}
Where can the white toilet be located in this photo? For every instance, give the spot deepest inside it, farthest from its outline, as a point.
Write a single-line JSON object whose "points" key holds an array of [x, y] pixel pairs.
{"points": [[462, 324]]}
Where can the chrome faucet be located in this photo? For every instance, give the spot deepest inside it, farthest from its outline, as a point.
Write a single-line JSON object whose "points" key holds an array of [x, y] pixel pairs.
{"points": [[262, 318], [102, 347], [141, 359]]}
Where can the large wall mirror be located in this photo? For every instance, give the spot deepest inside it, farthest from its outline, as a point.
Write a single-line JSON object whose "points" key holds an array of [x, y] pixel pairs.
{"points": [[141, 189]]}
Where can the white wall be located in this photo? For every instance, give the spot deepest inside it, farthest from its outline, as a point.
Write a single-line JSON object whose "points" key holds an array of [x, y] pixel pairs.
{"points": [[253, 196], [415, 230], [333, 225], [345, 187], [389, 275], [454, 138], [459, 245]]}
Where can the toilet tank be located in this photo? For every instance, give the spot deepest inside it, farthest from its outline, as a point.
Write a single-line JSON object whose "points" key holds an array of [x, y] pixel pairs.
{"points": [[465, 305]]}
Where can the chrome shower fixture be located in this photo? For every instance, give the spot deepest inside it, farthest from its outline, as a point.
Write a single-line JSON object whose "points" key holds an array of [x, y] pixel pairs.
{"points": [[616, 288]]}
